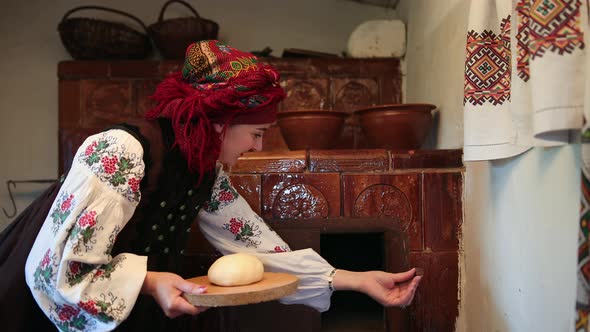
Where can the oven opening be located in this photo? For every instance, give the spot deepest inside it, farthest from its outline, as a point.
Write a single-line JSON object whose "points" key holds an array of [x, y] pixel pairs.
{"points": [[352, 311]]}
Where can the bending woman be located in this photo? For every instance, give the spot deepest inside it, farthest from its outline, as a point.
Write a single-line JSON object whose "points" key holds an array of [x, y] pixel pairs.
{"points": [[109, 254]]}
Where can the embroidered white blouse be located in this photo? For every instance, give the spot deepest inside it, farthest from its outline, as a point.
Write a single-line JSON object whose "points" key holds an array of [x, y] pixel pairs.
{"points": [[80, 286]]}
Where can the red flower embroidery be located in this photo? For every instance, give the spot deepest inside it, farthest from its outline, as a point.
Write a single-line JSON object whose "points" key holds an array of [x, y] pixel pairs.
{"points": [[235, 226], [279, 249], [46, 259], [89, 306], [88, 219], [134, 184], [75, 267], [225, 196], [109, 164], [67, 204], [67, 312], [90, 148]]}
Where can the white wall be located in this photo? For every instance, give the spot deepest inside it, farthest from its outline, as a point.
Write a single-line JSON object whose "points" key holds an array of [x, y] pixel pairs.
{"points": [[520, 242], [520, 226], [434, 63], [31, 49]]}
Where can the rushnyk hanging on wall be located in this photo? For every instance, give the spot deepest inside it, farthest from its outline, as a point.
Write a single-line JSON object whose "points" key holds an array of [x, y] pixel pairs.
{"points": [[524, 76]]}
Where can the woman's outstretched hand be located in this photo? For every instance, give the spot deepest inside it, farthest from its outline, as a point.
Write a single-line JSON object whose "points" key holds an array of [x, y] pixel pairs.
{"points": [[389, 289], [167, 288]]}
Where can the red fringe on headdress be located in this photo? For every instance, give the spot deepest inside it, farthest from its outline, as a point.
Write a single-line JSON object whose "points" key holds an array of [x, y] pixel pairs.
{"points": [[192, 111]]}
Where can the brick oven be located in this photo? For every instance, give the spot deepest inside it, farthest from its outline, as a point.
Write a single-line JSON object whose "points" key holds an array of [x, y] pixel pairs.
{"points": [[360, 208]]}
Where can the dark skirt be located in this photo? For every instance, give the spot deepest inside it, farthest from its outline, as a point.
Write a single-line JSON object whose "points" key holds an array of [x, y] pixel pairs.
{"points": [[18, 309]]}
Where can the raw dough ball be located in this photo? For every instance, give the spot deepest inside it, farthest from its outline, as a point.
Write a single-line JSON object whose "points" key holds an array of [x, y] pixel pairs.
{"points": [[236, 270]]}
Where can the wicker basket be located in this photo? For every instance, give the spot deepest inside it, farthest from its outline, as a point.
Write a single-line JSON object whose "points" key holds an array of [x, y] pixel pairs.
{"points": [[92, 39], [172, 36]]}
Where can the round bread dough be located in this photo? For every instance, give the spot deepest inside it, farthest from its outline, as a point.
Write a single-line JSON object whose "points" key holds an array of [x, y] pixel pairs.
{"points": [[236, 270]]}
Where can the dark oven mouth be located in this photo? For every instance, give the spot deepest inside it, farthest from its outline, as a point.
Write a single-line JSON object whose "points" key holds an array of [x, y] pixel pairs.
{"points": [[352, 311], [355, 244]]}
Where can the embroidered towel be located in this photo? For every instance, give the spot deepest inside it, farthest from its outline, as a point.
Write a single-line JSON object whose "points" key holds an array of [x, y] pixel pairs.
{"points": [[524, 75]]}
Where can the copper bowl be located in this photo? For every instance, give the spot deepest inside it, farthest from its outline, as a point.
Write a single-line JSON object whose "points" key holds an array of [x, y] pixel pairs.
{"points": [[311, 129], [396, 126]]}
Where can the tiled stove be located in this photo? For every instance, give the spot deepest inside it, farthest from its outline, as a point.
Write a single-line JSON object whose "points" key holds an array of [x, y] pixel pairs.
{"points": [[361, 209]]}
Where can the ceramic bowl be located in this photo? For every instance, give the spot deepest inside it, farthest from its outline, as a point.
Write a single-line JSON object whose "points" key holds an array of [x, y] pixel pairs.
{"points": [[396, 126], [311, 129]]}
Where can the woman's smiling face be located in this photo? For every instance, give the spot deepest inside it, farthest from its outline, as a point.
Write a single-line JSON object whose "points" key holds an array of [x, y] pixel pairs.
{"points": [[238, 139]]}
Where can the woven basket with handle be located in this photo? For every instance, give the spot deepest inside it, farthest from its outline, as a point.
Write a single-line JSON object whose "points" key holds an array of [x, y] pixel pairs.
{"points": [[172, 36], [92, 39]]}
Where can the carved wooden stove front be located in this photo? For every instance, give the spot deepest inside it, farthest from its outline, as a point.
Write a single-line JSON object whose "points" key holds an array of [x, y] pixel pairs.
{"points": [[365, 209]]}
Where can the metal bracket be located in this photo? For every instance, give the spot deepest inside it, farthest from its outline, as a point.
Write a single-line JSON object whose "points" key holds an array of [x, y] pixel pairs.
{"points": [[13, 183]]}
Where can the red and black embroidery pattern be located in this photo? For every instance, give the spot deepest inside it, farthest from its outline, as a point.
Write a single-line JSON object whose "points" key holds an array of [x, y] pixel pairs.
{"points": [[582, 305], [487, 66], [546, 25], [523, 8], [555, 25]]}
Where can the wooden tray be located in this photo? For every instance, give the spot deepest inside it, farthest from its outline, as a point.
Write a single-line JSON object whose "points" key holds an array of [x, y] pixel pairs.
{"points": [[273, 286]]}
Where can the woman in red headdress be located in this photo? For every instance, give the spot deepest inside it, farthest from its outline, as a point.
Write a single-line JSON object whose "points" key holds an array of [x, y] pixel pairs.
{"points": [[107, 243]]}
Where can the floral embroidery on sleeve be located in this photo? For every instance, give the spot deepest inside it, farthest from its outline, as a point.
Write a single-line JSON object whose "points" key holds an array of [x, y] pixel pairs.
{"points": [[223, 194], [105, 310], [112, 239], [112, 163], [281, 249], [70, 318], [244, 231], [83, 232], [61, 211], [77, 271], [44, 275]]}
